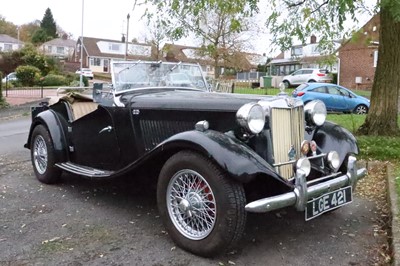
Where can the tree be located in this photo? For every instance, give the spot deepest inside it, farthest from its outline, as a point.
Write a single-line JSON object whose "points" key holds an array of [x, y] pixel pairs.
{"points": [[39, 36], [383, 115], [157, 35], [27, 31], [326, 18], [216, 22], [8, 28], [48, 24], [299, 19]]}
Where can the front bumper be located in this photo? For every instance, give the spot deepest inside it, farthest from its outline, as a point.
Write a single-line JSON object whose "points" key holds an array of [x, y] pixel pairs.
{"points": [[303, 193]]}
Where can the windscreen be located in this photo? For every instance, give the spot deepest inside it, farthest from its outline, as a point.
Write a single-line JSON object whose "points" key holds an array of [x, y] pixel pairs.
{"points": [[130, 75]]}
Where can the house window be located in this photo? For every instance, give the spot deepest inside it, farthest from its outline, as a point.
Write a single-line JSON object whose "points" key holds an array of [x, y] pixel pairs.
{"points": [[375, 58], [60, 50], [95, 62], [113, 46], [7, 47], [297, 50], [49, 48]]}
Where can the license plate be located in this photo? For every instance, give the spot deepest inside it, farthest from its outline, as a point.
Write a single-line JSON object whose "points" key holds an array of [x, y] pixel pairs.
{"points": [[328, 201]]}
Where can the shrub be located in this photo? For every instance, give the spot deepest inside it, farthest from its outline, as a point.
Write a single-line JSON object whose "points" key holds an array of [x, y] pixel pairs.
{"points": [[54, 80], [28, 75]]}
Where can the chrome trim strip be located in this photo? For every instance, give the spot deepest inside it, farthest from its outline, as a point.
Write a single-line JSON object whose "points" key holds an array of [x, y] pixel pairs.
{"points": [[322, 179]]}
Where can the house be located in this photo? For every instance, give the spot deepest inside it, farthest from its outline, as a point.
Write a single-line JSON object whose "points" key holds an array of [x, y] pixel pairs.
{"points": [[8, 43], [190, 54], [300, 56], [62, 48], [98, 53], [359, 55]]}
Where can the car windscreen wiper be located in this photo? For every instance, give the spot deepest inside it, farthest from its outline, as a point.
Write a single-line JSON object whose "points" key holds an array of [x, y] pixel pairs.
{"points": [[175, 66], [129, 67]]}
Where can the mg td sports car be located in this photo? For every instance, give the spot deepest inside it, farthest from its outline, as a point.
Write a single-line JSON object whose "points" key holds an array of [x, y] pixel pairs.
{"points": [[214, 156]]}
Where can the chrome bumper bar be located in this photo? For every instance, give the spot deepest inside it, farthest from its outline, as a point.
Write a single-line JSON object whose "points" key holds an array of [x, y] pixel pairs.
{"points": [[301, 194]]}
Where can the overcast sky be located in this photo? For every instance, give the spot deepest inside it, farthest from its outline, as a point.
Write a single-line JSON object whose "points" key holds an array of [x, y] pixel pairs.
{"points": [[102, 19]]}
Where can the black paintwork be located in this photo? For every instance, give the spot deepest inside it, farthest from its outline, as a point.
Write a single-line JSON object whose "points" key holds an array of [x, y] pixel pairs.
{"points": [[157, 124]]}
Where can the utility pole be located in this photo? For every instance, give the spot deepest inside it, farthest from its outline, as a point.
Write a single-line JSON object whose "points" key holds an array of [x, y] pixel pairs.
{"points": [[126, 40], [80, 77]]}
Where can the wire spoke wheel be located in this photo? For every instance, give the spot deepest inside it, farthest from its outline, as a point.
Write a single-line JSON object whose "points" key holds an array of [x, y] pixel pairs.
{"points": [[40, 154], [191, 204], [201, 206]]}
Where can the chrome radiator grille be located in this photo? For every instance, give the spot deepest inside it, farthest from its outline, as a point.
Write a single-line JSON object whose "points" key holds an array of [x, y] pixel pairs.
{"points": [[287, 128]]}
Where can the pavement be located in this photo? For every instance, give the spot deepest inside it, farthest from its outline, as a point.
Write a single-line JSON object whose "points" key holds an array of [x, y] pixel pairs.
{"points": [[395, 219], [20, 106]]}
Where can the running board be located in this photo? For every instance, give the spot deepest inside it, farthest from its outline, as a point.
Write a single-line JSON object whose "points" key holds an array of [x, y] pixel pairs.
{"points": [[84, 170]]}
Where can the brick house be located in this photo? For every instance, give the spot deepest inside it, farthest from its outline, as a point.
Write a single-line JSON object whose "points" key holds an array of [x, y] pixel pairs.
{"points": [[358, 57], [238, 60]]}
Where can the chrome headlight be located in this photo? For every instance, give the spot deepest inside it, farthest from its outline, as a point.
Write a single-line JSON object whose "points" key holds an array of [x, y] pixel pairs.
{"points": [[303, 165], [333, 160], [251, 116], [315, 113]]}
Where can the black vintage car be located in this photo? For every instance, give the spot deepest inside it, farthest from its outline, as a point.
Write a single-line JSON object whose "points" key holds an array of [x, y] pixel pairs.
{"points": [[215, 156]]}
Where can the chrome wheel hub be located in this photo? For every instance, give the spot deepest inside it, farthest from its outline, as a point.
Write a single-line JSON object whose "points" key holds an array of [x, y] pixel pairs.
{"points": [[40, 154], [191, 204]]}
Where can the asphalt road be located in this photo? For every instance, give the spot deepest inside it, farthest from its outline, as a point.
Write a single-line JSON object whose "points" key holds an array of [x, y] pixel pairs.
{"points": [[116, 222]]}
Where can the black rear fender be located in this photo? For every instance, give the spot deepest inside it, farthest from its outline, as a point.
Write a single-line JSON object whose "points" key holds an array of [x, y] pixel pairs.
{"points": [[56, 129]]}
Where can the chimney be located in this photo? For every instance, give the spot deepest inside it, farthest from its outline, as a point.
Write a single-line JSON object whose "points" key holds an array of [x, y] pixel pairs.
{"points": [[313, 39], [123, 38], [64, 36]]}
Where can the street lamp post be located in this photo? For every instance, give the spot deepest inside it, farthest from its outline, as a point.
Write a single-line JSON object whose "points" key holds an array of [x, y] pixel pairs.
{"points": [[126, 40], [80, 77]]}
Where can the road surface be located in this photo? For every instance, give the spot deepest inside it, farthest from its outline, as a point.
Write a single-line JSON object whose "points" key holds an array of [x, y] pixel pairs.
{"points": [[83, 222]]}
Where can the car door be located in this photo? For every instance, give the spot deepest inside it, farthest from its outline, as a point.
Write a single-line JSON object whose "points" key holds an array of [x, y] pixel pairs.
{"points": [[336, 100], [295, 77], [319, 93], [94, 141]]}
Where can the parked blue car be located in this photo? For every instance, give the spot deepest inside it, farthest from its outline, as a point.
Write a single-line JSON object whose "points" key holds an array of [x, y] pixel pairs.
{"points": [[335, 97]]}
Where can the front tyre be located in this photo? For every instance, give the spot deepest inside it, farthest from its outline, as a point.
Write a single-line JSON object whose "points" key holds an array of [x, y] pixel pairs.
{"points": [[42, 156], [361, 109], [202, 209]]}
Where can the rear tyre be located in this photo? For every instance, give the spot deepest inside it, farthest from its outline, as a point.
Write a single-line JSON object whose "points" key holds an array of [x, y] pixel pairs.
{"points": [[286, 83], [43, 157], [202, 209], [361, 109]]}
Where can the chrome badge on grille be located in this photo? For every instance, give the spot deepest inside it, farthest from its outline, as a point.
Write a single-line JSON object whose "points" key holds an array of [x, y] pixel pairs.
{"points": [[290, 102], [292, 153]]}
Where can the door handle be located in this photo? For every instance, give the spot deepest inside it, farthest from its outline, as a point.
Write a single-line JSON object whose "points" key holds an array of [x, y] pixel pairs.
{"points": [[108, 129]]}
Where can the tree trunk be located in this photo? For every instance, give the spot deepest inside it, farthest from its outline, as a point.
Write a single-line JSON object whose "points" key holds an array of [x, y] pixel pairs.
{"points": [[217, 68], [383, 113]]}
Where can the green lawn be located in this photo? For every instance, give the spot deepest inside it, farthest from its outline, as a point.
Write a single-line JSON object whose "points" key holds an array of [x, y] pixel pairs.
{"points": [[371, 147]]}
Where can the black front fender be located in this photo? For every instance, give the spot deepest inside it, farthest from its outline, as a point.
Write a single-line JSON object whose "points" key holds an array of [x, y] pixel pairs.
{"points": [[53, 124], [332, 137], [236, 158]]}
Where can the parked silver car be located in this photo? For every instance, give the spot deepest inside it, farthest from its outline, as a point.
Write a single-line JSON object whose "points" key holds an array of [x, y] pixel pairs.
{"points": [[10, 77], [307, 75]]}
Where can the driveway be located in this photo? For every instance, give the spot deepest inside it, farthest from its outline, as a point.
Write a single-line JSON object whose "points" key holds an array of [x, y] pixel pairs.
{"points": [[116, 222]]}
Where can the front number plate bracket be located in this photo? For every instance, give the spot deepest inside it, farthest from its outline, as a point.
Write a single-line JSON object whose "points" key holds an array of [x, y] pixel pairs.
{"points": [[328, 201]]}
